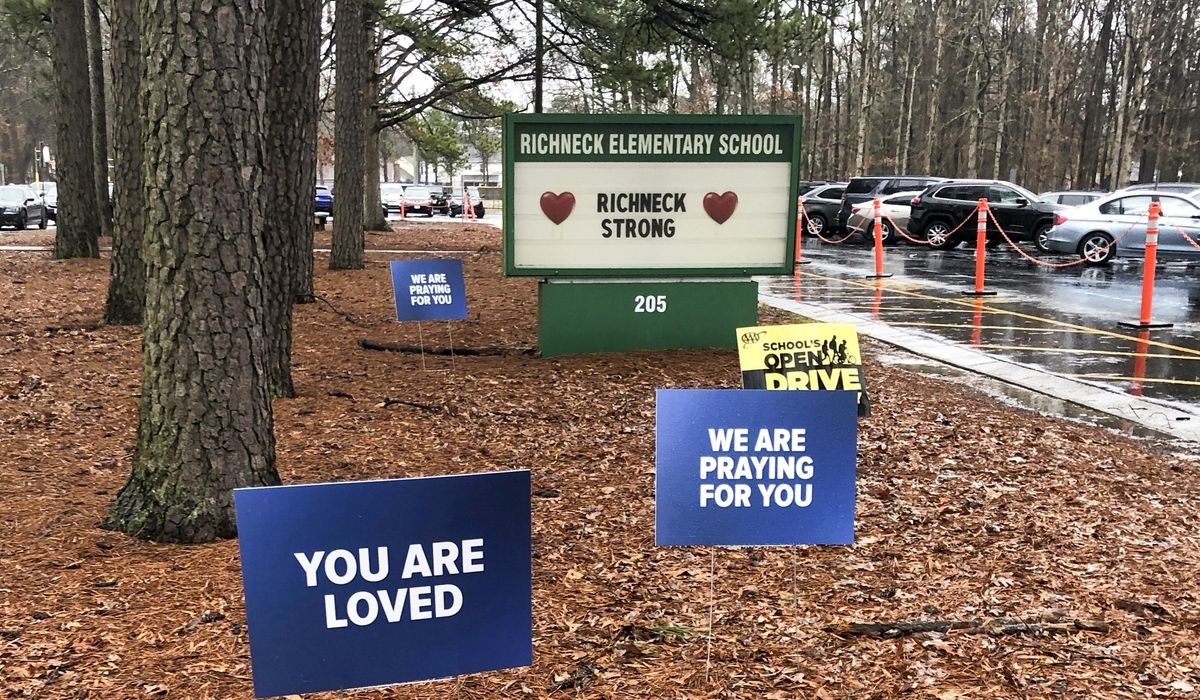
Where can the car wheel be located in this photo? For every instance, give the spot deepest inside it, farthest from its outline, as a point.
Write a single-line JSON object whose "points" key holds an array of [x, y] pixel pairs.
{"points": [[816, 224], [22, 223], [938, 235], [1041, 239], [43, 223], [1097, 248]]}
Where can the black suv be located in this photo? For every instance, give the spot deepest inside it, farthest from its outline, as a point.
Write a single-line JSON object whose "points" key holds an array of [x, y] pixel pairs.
{"points": [[939, 212], [861, 189]]}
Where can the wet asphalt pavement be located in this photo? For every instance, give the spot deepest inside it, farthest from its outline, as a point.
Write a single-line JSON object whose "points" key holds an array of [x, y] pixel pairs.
{"points": [[1061, 320]]}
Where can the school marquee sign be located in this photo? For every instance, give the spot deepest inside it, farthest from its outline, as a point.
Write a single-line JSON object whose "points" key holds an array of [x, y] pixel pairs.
{"points": [[650, 195]]}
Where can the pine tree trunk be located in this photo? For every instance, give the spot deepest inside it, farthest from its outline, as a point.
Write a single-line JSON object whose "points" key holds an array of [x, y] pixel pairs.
{"points": [[373, 214], [350, 35], [95, 49], [127, 274], [76, 235], [291, 167], [204, 426]]}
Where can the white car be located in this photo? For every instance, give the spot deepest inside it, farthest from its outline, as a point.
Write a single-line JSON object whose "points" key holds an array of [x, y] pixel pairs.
{"points": [[893, 208]]}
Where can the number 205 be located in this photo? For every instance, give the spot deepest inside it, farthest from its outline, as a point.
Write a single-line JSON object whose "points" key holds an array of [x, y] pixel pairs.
{"points": [[647, 304]]}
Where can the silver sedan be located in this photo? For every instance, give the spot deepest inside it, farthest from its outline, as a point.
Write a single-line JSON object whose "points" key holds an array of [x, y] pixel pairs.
{"points": [[1090, 231]]}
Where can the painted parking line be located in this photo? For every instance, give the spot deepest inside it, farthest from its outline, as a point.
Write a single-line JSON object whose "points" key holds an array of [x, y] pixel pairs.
{"points": [[1119, 378], [971, 327], [1079, 351], [1014, 314]]}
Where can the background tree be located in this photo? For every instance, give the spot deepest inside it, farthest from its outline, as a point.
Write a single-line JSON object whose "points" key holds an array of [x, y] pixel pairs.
{"points": [[291, 163], [26, 86], [77, 231], [439, 140], [350, 32], [204, 425], [484, 136], [95, 52], [127, 272]]}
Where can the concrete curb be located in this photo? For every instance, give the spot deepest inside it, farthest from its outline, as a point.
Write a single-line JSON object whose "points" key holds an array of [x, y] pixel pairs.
{"points": [[1162, 417]]}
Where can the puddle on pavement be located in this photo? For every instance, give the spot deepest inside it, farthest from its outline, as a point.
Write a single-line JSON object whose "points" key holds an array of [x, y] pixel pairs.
{"points": [[1024, 398]]}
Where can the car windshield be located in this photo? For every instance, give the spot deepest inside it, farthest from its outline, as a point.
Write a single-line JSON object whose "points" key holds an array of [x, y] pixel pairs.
{"points": [[417, 192], [13, 195], [323, 191], [862, 185]]}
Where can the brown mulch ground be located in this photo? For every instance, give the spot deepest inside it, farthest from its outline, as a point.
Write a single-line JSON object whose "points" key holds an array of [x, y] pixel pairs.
{"points": [[967, 509]]}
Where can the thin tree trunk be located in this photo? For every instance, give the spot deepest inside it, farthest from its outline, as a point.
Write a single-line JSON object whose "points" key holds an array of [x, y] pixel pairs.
{"points": [[373, 214], [1119, 165], [77, 228], [350, 34], [204, 426], [104, 211], [127, 275], [866, 10], [292, 102], [935, 93]]}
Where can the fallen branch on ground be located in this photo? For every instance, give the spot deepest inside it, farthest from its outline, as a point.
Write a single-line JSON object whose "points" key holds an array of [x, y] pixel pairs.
{"points": [[997, 627], [366, 344]]}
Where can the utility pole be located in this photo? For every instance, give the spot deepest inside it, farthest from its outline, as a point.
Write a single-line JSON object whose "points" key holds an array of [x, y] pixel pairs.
{"points": [[539, 49]]}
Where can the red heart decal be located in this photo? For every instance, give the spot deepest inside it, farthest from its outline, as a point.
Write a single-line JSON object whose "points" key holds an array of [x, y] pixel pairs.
{"points": [[719, 207], [557, 207]]}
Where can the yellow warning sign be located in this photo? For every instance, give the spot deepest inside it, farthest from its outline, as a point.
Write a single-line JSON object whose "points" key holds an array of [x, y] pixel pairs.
{"points": [[808, 356]]}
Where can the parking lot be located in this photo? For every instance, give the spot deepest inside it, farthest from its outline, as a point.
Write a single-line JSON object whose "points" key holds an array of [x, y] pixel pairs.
{"points": [[1064, 321]]}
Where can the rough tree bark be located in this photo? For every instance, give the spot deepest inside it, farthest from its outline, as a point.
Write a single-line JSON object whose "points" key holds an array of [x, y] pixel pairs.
{"points": [[372, 197], [95, 50], [127, 274], [291, 169], [350, 36], [204, 426], [76, 234]]}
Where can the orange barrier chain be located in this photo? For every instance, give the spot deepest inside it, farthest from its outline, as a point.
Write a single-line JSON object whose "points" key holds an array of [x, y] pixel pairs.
{"points": [[1043, 263], [904, 234], [1187, 238]]}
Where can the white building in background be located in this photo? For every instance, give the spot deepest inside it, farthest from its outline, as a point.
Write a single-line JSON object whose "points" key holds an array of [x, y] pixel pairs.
{"points": [[411, 168]]}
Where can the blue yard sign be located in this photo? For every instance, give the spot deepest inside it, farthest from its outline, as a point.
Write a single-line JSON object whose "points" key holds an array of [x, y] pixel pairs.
{"points": [[370, 583], [755, 467], [429, 290]]}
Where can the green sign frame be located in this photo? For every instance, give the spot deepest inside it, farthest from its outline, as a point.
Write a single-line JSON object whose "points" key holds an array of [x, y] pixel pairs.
{"points": [[788, 126]]}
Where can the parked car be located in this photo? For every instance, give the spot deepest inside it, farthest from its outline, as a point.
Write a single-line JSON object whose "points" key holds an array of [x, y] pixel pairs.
{"points": [[419, 199], [1192, 189], [806, 186], [892, 209], [455, 201], [439, 199], [1089, 231], [1070, 198], [821, 206], [391, 194], [862, 189], [324, 204], [49, 193], [938, 212], [20, 206]]}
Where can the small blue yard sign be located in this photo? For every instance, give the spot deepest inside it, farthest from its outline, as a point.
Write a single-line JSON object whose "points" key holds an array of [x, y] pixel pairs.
{"points": [[429, 290]]}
